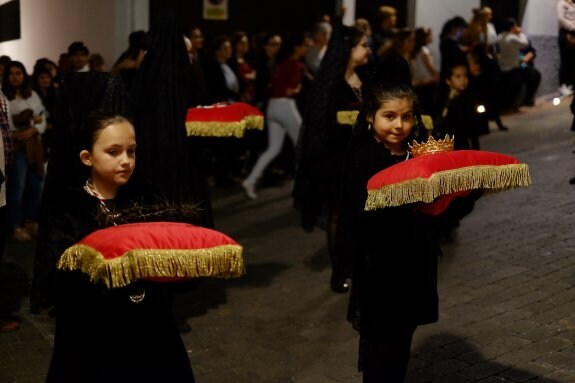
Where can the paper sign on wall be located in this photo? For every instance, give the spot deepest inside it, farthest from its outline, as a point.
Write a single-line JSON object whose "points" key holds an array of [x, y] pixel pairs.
{"points": [[215, 9]]}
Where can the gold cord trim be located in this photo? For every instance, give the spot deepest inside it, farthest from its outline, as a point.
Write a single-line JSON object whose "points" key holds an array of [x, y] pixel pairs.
{"points": [[222, 262], [224, 129], [487, 177]]}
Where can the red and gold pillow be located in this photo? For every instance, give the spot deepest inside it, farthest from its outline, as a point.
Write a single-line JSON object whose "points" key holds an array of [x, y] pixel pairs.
{"points": [[436, 179], [156, 251], [223, 120]]}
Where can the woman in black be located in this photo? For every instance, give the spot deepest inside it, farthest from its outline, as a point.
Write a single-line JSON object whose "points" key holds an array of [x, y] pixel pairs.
{"points": [[338, 87]]}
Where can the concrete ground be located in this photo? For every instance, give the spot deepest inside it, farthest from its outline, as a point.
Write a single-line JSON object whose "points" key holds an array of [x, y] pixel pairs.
{"points": [[507, 302]]}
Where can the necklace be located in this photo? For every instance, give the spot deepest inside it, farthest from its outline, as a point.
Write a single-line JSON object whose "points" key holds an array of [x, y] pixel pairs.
{"points": [[89, 188]]}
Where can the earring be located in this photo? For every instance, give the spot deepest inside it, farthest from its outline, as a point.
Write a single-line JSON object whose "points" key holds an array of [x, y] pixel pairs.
{"points": [[369, 126]]}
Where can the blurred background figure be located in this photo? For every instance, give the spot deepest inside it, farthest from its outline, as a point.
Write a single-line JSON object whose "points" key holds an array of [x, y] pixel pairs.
{"points": [[79, 56], [320, 35], [97, 63], [452, 52], [566, 41], [530, 75], [425, 76], [510, 42], [385, 31], [127, 63], [25, 178]]}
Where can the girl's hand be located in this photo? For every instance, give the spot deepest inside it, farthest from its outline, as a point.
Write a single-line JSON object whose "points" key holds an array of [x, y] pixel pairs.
{"points": [[37, 119]]}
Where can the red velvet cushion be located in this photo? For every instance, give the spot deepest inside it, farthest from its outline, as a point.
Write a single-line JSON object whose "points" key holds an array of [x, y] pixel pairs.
{"points": [[446, 175], [223, 120], [158, 251]]}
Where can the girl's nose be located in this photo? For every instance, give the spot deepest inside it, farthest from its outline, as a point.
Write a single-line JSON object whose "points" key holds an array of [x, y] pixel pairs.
{"points": [[125, 159]]}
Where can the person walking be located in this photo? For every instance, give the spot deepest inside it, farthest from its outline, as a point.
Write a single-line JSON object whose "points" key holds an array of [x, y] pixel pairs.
{"points": [[282, 114]]}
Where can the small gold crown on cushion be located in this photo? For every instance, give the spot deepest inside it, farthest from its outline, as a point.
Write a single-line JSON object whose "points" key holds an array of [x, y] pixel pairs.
{"points": [[431, 146]]}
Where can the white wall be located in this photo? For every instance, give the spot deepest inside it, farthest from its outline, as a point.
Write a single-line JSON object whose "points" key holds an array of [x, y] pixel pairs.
{"points": [[540, 18], [434, 13], [48, 27]]}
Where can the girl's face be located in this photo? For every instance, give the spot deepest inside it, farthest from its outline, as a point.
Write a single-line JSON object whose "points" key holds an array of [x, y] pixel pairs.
{"points": [[15, 76], [458, 79], [360, 53], [44, 80], [392, 123], [113, 156]]}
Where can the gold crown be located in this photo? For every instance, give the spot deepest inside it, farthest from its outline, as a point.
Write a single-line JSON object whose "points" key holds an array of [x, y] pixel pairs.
{"points": [[431, 146]]}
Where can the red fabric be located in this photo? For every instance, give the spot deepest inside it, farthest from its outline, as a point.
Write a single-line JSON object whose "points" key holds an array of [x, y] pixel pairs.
{"points": [[234, 112], [115, 241], [287, 76], [426, 166], [441, 203]]}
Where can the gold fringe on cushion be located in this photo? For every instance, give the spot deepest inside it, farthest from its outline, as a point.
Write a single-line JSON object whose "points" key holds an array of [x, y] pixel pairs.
{"points": [[224, 261], [427, 122], [489, 178], [347, 117], [224, 129]]}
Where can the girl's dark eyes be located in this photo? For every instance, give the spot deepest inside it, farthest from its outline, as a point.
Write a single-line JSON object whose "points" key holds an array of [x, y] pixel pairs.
{"points": [[405, 117]]}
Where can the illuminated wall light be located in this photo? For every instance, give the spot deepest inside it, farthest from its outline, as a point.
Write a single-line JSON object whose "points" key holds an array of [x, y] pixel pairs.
{"points": [[480, 109]]}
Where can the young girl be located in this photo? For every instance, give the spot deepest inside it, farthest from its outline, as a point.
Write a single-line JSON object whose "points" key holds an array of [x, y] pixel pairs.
{"points": [[457, 115], [395, 250], [109, 335]]}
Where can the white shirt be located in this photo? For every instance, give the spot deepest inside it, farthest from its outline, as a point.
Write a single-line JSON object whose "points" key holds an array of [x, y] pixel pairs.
{"points": [[420, 71], [509, 46], [33, 102], [231, 79], [491, 34]]}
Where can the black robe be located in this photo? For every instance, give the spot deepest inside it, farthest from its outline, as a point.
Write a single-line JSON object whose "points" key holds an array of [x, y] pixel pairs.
{"points": [[395, 250], [101, 335]]}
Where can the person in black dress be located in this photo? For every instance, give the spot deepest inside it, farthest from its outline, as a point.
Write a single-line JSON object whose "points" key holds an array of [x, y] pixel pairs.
{"points": [[321, 147], [395, 250], [109, 335]]}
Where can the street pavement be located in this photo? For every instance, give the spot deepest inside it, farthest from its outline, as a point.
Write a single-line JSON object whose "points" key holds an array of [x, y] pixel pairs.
{"points": [[507, 302]]}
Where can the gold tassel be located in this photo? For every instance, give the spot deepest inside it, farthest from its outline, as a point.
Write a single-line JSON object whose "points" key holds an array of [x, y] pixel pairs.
{"points": [[224, 129], [489, 178], [222, 262]]}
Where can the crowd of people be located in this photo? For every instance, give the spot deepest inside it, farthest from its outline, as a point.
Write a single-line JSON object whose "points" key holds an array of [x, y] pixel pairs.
{"points": [[301, 82]]}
